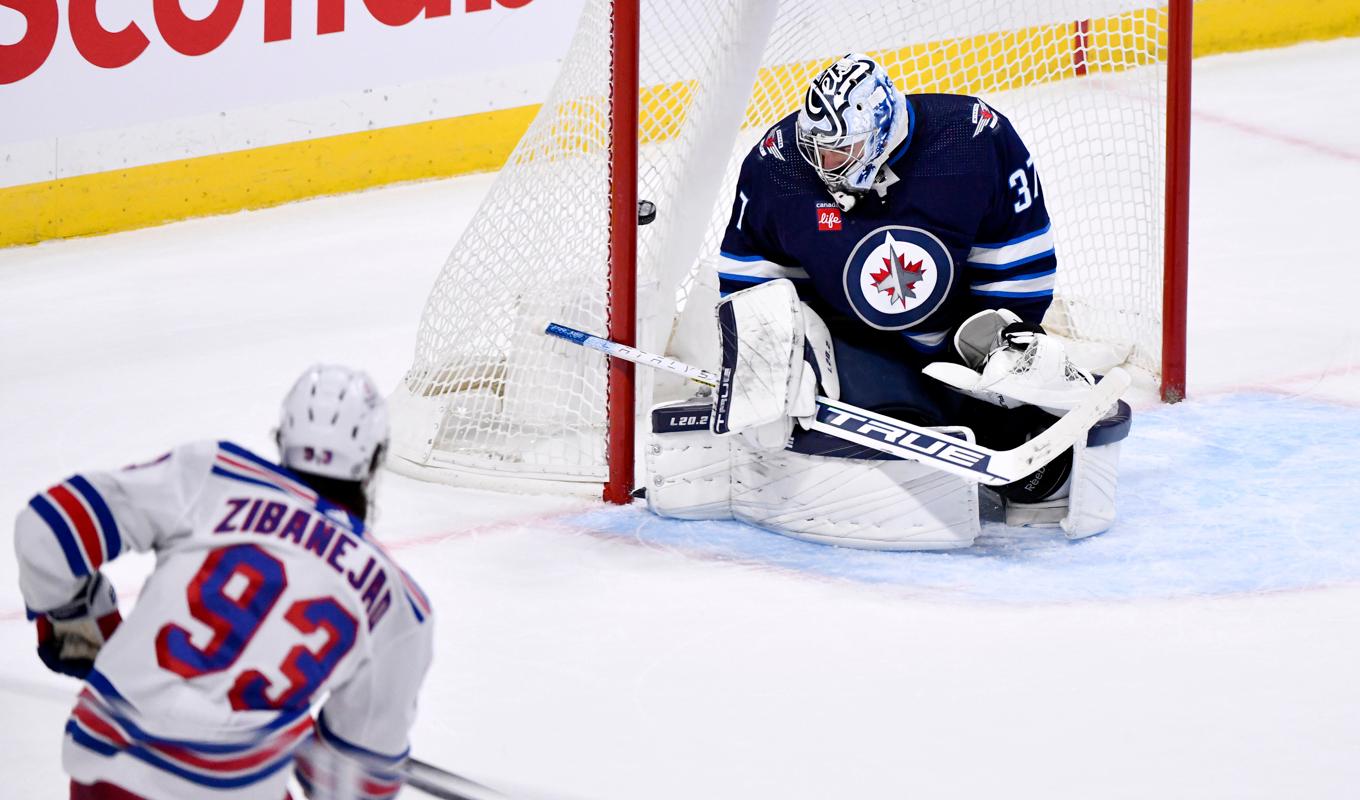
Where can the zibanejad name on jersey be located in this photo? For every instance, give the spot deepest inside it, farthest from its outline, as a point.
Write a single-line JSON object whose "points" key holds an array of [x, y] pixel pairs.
{"points": [[313, 532]]}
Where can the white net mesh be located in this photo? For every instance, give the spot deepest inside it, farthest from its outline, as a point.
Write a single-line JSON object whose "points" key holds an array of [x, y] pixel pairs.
{"points": [[1082, 80]]}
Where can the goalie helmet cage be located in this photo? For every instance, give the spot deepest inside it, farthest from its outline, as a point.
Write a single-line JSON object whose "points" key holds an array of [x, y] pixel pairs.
{"points": [[662, 100]]}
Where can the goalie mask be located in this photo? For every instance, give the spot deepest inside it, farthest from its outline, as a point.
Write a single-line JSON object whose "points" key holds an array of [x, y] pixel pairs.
{"points": [[333, 423], [851, 120]]}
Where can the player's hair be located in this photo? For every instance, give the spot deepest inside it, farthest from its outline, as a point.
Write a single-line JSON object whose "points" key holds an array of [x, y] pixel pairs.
{"points": [[349, 495]]}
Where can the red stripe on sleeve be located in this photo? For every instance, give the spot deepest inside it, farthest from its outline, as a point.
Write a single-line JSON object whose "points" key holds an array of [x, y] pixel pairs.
{"points": [[84, 523], [99, 726], [268, 751], [380, 788]]}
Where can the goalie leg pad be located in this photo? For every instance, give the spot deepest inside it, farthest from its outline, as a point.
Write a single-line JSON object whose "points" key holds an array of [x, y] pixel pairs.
{"points": [[1087, 507], [873, 504], [851, 502], [1095, 476], [689, 469]]}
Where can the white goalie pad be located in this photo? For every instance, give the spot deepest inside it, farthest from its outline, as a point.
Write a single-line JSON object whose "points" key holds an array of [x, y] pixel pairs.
{"points": [[852, 502], [775, 353], [1091, 503], [859, 503], [689, 469], [1088, 506]]}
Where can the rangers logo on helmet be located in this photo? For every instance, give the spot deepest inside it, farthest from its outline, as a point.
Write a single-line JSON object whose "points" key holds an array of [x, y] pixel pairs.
{"points": [[898, 276]]}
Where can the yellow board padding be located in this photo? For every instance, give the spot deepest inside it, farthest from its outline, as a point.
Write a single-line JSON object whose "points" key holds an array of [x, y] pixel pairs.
{"points": [[1226, 26], [138, 197], [990, 62], [149, 195]]}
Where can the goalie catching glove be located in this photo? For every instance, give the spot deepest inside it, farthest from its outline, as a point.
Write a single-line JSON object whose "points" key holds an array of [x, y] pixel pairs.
{"points": [[776, 355], [1010, 363], [71, 635]]}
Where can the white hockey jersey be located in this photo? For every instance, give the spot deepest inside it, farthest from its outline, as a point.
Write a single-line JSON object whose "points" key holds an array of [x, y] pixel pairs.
{"points": [[265, 599]]}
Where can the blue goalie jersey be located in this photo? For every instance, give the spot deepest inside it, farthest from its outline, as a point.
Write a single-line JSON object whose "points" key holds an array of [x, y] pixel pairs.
{"points": [[955, 224]]}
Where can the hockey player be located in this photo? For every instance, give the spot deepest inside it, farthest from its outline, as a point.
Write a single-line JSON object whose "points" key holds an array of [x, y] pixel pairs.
{"points": [[269, 595], [872, 234]]}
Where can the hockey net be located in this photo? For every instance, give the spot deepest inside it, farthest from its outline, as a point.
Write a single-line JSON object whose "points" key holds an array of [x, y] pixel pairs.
{"points": [[489, 400]]}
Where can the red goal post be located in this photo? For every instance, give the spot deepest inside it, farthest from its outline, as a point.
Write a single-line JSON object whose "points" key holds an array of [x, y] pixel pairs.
{"points": [[660, 100]]}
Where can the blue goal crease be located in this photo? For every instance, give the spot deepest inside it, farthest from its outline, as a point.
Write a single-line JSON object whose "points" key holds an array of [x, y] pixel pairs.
{"points": [[1262, 524]]}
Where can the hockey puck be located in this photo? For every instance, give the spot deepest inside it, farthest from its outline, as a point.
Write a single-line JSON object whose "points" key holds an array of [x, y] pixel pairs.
{"points": [[646, 212]]}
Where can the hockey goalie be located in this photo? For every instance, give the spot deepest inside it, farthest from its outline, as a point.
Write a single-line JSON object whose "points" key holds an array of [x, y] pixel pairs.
{"points": [[892, 251]]}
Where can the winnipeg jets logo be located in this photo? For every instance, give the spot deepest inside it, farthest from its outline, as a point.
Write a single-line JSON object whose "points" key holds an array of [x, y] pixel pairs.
{"points": [[898, 276], [898, 279], [773, 144], [983, 118], [828, 96]]}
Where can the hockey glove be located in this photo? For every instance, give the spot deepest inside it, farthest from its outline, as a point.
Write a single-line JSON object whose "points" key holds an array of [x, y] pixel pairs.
{"points": [[70, 636], [1011, 363]]}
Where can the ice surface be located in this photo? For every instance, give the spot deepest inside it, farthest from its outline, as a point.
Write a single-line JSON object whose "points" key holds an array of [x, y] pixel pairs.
{"points": [[1178, 535], [1206, 647]]}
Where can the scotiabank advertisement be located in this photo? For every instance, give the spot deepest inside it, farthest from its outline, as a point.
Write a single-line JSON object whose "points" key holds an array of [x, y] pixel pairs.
{"points": [[138, 80]]}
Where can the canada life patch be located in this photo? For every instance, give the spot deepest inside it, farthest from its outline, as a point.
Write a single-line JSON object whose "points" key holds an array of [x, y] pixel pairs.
{"points": [[897, 276], [828, 217]]}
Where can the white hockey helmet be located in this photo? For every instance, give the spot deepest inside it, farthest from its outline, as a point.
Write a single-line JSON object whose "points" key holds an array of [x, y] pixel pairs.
{"points": [[851, 120], [333, 423]]}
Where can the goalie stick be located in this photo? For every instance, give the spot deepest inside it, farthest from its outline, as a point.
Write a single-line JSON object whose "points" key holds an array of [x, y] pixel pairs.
{"points": [[903, 439], [443, 784]]}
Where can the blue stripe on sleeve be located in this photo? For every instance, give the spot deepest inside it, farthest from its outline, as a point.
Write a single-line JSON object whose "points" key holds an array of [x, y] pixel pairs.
{"points": [[105, 689], [736, 257], [1017, 240], [1041, 293], [348, 748], [728, 276], [104, 686], [1013, 264], [83, 739], [65, 536], [206, 778], [1024, 276], [113, 541]]}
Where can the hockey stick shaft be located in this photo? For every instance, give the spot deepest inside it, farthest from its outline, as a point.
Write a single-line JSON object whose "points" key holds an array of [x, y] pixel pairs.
{"points": [[903, 439], [623, 351], [444, 784]]}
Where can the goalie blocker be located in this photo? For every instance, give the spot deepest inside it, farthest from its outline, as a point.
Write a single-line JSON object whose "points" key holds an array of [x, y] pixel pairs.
{"points": [[776, 354]]}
